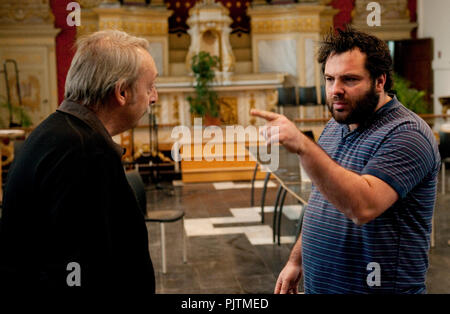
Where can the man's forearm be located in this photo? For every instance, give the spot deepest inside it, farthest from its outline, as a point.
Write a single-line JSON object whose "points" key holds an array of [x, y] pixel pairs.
{"points": [[296, 252], [360, 197]]}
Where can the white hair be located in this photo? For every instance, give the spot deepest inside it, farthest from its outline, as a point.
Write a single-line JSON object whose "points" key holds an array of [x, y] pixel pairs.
{"points": [[102, 60]]}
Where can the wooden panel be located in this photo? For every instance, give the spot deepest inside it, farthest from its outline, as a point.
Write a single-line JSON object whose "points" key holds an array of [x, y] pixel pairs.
{"points": [[218, 176], [218, 170], [189, 165]]}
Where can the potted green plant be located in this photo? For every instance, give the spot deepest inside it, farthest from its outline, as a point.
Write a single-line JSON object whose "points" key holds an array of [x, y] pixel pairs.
{"points": [[14, 111], [205, 101], [411, 98]]}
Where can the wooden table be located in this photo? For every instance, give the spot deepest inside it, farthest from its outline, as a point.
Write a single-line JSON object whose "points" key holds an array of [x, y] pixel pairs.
{"points": [[7, 134]]}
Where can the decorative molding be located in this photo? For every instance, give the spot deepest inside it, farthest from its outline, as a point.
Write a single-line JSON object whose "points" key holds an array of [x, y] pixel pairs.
{"points": [[306, 24], [235, 103], [293, 18], [175, 108], [35, 33], [252, 106], [271, 100], [135, 27], [392, 11], [148, 22], [25, 12], [209, 28], [395, 19], [292, 25], [298, 22], [140, 23], [228, 110], [88, 4]]}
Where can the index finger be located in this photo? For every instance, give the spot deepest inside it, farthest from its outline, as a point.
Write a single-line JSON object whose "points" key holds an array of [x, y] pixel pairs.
{"points": [[284, 287], [269, 116], [277, 287]]}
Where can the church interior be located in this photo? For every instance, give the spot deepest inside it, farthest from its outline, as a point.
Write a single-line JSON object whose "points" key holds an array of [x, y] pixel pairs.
{"points": [[265, 58]]}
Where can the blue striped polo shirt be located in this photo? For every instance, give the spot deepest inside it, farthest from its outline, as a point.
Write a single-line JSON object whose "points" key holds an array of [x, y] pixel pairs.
{"points": [[399, 148]]}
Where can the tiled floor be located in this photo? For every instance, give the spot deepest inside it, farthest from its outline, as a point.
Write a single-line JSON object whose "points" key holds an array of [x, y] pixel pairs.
{"points": [[220, 261]]}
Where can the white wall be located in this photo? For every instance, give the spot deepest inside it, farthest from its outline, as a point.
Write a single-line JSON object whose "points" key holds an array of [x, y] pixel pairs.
{"points": [[434, 22]]}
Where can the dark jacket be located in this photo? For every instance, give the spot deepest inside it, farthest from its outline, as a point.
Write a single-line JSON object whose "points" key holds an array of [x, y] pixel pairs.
{"points": [[67, 200]]}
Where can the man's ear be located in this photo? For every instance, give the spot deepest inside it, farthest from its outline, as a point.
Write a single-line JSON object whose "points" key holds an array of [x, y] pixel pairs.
{"points": [[379, 83], [121, 94]]}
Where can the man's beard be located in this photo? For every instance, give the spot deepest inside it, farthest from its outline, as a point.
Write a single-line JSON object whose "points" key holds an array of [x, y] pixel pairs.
{"points": [[362, 109]]}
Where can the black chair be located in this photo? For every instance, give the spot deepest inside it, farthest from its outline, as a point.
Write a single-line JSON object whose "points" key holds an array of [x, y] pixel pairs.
{"points": [[263, 195], [276, 224], [323, 101], [279, 203], [323, 95], [161, 216], [444, 150], [252, 199], [287, 96], [307, 97], [278, 213], [310, 134]]}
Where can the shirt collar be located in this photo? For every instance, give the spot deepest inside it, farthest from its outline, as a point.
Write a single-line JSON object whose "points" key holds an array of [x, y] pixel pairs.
{"points": [[391, 104], [88, 116]]}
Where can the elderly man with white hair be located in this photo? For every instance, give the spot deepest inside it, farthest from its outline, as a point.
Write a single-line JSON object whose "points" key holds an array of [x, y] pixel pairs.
{"points": [[69, 217]]}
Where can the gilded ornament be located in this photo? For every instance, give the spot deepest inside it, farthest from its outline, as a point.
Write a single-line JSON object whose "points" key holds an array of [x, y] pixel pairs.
{"points": [[228, 110], [88, 4]]}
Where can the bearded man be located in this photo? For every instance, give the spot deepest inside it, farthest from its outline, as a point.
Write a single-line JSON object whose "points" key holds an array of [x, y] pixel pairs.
{"points": [[367, 225]]}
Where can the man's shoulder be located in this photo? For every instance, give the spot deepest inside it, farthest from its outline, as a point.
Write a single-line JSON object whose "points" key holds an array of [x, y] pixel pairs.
{"points": [[63, 130], [402, 120], [404, 130]]}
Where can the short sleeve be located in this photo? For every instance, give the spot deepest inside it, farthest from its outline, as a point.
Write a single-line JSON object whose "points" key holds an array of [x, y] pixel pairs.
{"points": [[403, 160]]}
